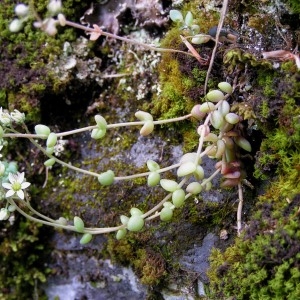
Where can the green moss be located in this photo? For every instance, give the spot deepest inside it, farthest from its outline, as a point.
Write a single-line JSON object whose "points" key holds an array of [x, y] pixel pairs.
{"points": [[21, 260], [280, 149], [263, 263], [148, 264], [294, 6], [264, 109], [266, 81], [237, 58]]}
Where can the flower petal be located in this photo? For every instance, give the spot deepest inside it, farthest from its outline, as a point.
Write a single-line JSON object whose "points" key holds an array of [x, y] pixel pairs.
{"points": [[7, 185], [25, 185], [11, 177], [9, 193], [21, 177], [20, 194]]}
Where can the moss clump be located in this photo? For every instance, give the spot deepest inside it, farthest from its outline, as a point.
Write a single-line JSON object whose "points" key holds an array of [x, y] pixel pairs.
{"points": [[148, 264], [279, 151], [294, 6], [21, 260], [264, 263]]}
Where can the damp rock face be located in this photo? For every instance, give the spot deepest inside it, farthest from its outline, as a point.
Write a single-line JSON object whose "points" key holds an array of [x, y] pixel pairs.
{"points": [[81, 276]]}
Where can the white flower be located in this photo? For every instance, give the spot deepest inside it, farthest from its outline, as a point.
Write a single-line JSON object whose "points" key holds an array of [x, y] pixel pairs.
{"points": [[4, 214], [4, 118], [54, 7], [16, 185], [17, 116]]}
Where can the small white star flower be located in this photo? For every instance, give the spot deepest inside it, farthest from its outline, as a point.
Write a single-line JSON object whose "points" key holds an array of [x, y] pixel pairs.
{"points": [[16, 185]]}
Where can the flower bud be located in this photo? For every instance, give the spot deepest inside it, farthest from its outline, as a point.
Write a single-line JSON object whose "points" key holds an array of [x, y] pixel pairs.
{"points": [[186, 168], [147, 128], [51, 140], [169, 185], [17, 116], [194, 188], [86, 238], [78, 224], [166, 214], [135, 223], [4, 214], [153, 179], [106, 178], [215, 96], [178, 198], [11, 208], [42, 130], [225, 87], [54, 7]]}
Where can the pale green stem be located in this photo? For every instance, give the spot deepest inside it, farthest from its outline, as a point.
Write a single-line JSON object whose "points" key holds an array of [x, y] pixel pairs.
{"points": [[239, 210], [89, 128], [67, 227], [205, 181]]}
